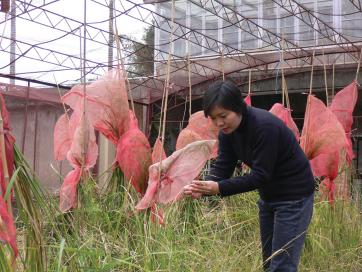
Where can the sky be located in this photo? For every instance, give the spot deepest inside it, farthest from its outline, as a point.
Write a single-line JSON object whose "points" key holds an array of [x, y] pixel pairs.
{"points": [[32, 33]]}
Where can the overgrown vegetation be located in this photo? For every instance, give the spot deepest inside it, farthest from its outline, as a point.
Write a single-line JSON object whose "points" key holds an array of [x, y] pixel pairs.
{"points": [[106, 234]]}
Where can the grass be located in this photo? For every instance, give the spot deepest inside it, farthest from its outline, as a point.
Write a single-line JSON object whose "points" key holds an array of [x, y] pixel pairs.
{"points": [[106, 234]]}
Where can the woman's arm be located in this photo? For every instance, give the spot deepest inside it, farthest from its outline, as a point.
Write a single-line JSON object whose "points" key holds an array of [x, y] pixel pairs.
{"points": [[221, 169], [264, 157], [225, 163]]}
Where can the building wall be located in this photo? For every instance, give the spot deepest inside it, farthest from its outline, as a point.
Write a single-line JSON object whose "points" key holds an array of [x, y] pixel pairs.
{"points": [[36, 140], [40, 119]]}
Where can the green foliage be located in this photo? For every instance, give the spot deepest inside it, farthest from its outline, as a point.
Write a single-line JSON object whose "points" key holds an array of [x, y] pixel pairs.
{"points": [[142, 54], [5, 258], [32, 207], [203, 235], [105, 233], [334, 242]]}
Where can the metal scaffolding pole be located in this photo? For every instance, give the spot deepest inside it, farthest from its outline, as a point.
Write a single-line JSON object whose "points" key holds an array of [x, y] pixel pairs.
{"points": [[110, 35], [12, 40]]}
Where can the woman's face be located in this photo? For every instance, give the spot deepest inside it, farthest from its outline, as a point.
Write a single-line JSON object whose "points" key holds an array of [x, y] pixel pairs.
{"points": [[225, 120]]}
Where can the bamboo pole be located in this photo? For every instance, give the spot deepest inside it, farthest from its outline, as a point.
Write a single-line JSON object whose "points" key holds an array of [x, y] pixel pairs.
{"points": [[285, 90], [311, 74], [166, 88], [83, 117], [325, 79], [308, 105], [168, 72], [189, 77], [282, 70], [358, 66], [120, 61], [333, 70], [161, 114], [61, 100], [249, 89], [222, 65], [285, 96]]}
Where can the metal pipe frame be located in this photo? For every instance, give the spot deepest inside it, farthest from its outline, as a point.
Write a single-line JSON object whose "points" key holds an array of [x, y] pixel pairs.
{"points": [[357, 4], [152, 86]]}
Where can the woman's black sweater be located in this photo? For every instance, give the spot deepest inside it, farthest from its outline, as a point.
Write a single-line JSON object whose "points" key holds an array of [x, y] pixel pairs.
{"points": [[279, 168]]}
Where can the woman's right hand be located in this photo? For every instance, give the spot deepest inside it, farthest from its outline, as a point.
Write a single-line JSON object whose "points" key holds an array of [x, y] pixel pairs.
{"points": [[187, 190], [198, 188]]}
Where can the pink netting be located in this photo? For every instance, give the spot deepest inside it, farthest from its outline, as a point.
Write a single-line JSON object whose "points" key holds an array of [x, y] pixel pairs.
{"points": [[62, 137], [199, 128], [134, 155], [202, 126], [285, 115], [82, 153], [7, 227], [68, 191], [158, 153], [107, 104], [247, 100], [177, 171], [326, 166], [322, 133], [84, 141], [342, 106], [9, 146], [185, 137]]}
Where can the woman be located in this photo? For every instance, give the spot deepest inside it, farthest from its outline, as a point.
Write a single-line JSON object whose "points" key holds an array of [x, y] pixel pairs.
{"points": [[280, 172]]}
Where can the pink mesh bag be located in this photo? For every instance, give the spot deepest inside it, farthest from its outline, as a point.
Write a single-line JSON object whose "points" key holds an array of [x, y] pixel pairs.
{"points": [[322, 133], [82, 154], [285, 115], [7, 228], [107, 104], [178, 170], [247, 100], [198, 128], [186, 137], [323, 137], [9, 146], [202, 126], [342, 106], [158, 153], [134, 155], [326, 166]]}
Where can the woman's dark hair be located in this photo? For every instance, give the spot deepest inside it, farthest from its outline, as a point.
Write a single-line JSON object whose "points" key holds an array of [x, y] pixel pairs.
{"points": [[223, 94]]}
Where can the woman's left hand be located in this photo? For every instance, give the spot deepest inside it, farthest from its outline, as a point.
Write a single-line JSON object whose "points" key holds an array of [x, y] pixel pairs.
{"points": [[207, 187]]}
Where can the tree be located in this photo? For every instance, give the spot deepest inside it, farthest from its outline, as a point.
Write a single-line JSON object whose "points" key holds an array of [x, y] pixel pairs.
{"points": [[141, 53]]}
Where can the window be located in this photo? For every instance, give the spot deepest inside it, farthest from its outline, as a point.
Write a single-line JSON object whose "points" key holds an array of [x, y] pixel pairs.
{"points": [[325, 14], [270, 21], [249, 9], [306, 32], [351, 22], [196, 36], [164, 31], [180, 20]]}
